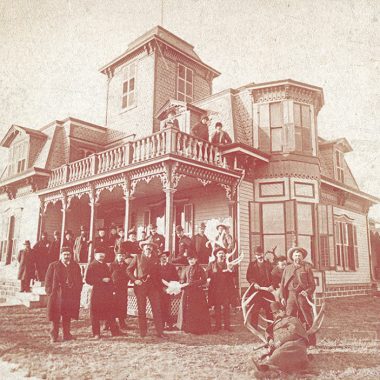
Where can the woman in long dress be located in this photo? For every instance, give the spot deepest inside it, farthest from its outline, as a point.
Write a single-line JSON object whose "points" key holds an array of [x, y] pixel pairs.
{"points": [[195, 315]]}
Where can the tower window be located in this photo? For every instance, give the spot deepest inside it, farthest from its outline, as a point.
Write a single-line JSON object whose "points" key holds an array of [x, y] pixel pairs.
{"points": [[184, 84], [129, 86]]}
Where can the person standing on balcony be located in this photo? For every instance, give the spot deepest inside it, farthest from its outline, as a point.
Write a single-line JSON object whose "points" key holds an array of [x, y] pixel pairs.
{"points": [[156, 238], [27, 266], [168, 272], [41, 250], [200, 129], [220, 137], [98, 275], [81, 246], [199, 242], [63, 286], [171, 120], [113, 236], [144, 272], [55, 247], [185, 246]]}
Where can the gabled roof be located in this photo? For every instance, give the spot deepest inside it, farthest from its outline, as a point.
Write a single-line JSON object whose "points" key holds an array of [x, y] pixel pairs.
{"points": [[173, 104], [342, 144], [14, 130], [158, 33]]}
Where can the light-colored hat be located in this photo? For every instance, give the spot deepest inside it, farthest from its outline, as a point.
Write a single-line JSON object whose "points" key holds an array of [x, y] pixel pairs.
{"points": [[294, 249]]}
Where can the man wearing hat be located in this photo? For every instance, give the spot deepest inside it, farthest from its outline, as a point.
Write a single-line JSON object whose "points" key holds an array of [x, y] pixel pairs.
{"points": [[171, 120], [287, 341], [98, 275], [168, 272], [297, 285], [199, 242], [144, 272], [132, 246], [27, 266], [81, 246], [63, 286], [200, 129], [156, 238], [112, 238], [101, 241], [185, 246], [55, 247], [220, 137], [259, 275], [41, 251], [68, 240], [221, 290]]}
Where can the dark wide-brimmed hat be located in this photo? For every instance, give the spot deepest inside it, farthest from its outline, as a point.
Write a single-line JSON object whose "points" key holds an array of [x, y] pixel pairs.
{"points": [[294, 249], [222, 225], [101, 229], [218, 124], [56, 233], [163, 253], [68, 232], [143, 243], [192, 255], [259, 249], [219, 249], [276, 306], [66, 249], [178, 229], [100, 250], [26, 242], [202, 225]]}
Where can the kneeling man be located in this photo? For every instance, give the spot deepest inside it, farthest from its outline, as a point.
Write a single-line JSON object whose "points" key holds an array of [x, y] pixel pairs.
{"points": [[63, 285]]}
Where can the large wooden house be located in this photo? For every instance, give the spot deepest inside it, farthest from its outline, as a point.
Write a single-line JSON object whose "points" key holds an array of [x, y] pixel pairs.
{"points": [[278, 183]]}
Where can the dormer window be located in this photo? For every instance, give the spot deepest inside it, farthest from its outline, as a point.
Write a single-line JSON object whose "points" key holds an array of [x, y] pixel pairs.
{"points": [[17, 158], [339, 160], [184, 84], [129, 86]]}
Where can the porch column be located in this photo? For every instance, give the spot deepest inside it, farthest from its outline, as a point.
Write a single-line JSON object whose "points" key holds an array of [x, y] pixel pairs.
{"points": [[40, 221], [169, 207], [64, 212], [232, 204], [93, 212]]}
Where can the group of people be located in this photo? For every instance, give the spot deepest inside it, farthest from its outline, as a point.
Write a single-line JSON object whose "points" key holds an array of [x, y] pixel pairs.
{"points": [[200, 130]]}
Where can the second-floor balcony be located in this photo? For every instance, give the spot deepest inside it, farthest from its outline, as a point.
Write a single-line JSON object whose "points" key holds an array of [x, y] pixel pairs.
{"points": [[166, 143]]}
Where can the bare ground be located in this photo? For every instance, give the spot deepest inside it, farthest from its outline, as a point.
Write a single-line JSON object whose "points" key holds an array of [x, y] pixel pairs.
{"points": [[348, 348]]}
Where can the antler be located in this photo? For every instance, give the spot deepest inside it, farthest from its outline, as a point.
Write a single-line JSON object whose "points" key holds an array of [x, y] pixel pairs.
{"points": [[246, 313], [317, 317], [234, 262]]}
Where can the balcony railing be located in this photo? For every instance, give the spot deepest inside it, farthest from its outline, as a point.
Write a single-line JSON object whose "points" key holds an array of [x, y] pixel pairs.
{"points": [[167, 141]]}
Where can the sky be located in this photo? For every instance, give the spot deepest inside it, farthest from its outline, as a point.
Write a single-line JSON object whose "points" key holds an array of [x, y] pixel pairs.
{"points": [[51, 52]]}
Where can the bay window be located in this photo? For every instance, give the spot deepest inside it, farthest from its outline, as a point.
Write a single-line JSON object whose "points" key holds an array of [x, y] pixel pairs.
{"points": [[302, 126]]}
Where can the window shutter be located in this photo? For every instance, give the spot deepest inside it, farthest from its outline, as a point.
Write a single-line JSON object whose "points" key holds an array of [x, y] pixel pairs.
{"points": [[330, 226], [188, 216], [255, 225], [356, 251], [264, 128]]}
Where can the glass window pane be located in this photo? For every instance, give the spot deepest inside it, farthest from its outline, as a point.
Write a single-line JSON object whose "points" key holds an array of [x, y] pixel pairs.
{"points": [[276, 114], [305, 218], [181, 97], [189, 99], [322, 219], [125, 87], [306, 116], [297, 114], [132, 84], [305, 242], [189, 76], [181, 86], [189, 89], [181, 71], [273, 218], [276, 139], [125, 101]]}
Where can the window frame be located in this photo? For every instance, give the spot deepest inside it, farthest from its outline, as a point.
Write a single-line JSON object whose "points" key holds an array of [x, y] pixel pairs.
{"points": [[339, 165], [186, 97], [127, 94], [302, 128], [276, 128], [15, 159]]}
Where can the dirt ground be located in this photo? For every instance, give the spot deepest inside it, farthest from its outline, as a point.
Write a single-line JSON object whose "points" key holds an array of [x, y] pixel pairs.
{"points": [[348, 348]]}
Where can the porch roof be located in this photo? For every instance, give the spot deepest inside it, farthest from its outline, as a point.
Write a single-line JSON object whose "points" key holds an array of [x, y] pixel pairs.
{"points": [[245, 149]]}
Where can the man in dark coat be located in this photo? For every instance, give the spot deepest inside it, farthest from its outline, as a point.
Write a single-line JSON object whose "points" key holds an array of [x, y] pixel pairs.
{"points": [[55, 247], [156, 238], [81, 246], [101, 241], [168, 272], [298, 285], [98, 275], [120, 280], [144, 272], [131, 245], [199, 242], [221, 291], [27, 266], [63, 286], [112, 238], [277, 272], [41, 251], [69, 240], [185, 246], [220, 137], [259, 274], [200, 129]]}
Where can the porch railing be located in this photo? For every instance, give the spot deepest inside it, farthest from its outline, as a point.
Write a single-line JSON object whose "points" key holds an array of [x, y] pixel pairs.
{"points": [[167, 141]]}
